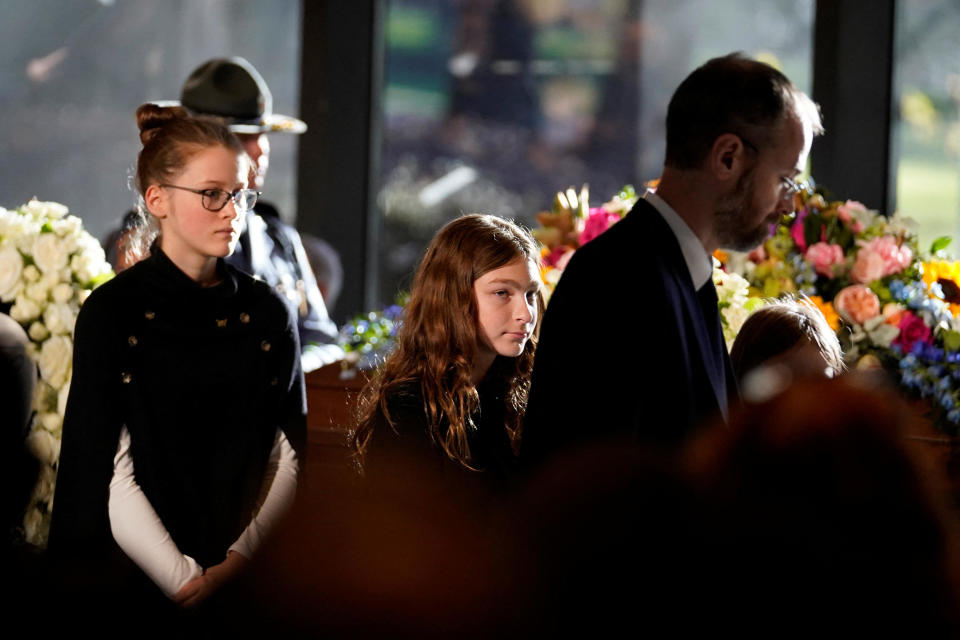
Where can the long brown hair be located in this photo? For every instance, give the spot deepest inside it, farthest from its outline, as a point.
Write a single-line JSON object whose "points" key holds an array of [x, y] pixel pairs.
{"points": [[437, 341]]}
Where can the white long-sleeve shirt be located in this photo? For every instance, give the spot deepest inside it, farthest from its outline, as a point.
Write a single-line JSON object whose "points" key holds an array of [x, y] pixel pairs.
{"points": [[143, 537]]}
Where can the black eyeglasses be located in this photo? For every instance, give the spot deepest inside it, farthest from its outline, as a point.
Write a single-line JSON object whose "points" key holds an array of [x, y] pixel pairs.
{"points": [[789, 185], [217, 199]]}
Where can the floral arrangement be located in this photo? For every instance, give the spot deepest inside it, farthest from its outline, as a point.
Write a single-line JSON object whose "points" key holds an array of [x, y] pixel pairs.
{"points": [[368, 338], [864, 271], [735, 301], [48, 266], [571, 224]]}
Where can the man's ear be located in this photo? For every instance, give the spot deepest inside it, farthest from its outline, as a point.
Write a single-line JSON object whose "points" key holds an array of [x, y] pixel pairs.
{"points": [[156, 200], [728, 157]]}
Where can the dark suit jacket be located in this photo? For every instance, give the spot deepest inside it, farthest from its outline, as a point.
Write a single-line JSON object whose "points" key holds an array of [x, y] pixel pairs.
{"points": [[624, 347], [271, 250]]}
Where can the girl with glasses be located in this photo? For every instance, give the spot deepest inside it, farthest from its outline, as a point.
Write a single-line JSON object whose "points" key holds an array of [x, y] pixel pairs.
{"points": [[186, 415]]}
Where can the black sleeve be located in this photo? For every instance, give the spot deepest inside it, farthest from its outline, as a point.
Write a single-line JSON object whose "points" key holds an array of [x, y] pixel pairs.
{"points": [[294, 423], [80, 521]]}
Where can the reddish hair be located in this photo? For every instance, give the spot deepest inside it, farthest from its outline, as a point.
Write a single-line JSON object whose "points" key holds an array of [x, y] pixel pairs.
{"points": [[171, 136], [437, 342]]}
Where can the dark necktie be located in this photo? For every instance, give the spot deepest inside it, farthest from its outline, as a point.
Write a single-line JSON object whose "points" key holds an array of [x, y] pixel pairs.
{"points": [[707, 295]]}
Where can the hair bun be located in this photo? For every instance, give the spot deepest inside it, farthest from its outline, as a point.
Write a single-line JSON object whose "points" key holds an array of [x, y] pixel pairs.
{"points": [[151, 117]]}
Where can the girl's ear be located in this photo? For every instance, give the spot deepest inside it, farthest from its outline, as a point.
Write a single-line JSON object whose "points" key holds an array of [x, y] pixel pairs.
{"points": [[157, 201]]}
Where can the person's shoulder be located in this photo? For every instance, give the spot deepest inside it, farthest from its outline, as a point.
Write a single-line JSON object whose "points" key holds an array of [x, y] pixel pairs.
{"points": [[259, 298], [626, 240], [108, 307], [259, 294], [116, 290], [274, 221], [268, 211]]}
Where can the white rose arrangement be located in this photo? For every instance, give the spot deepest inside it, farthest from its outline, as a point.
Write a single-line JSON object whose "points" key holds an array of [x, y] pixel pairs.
{"points": [[48, 266]]}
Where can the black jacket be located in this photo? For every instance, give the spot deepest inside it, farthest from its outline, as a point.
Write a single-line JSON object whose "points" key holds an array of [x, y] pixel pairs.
{"points": [[202, 378], [624, 348]]}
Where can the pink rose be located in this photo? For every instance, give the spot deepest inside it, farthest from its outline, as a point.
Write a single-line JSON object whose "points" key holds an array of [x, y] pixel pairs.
{"points": [[796, 230], [557, 255], [598, 221], [912, 330], [867, 267], [857, 304], [879, 257], [564, 260], [757, 255], [847, 212], [824, 257]]}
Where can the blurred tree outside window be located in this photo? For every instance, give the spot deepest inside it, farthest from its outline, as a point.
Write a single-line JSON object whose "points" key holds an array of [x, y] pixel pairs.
{"points": [[73, 73], [492, 106], [927, 120]]}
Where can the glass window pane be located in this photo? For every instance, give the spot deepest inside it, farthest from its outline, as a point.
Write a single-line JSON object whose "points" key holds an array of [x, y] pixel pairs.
{"points": [[927, 123], [69, 90], [493, 105]]}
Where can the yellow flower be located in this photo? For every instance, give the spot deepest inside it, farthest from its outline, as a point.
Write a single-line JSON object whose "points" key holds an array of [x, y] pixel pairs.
{"points": [[937, 269], [943, 270], [721, 255], [826, 308]]}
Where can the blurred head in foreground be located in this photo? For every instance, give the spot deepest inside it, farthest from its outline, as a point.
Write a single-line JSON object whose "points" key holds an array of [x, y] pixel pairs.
{"points": [[820, 507]]}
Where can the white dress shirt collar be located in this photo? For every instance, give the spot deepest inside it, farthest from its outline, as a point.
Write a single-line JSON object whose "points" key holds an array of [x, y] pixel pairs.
{"points": [[699, 262]]}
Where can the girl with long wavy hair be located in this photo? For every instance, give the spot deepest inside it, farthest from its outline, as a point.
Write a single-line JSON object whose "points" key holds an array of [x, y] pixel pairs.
{"points": [[457, 382]]}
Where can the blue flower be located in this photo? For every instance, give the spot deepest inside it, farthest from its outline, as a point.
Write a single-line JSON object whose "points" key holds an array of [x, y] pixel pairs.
{"points": [[897, 289], [909, 379], [947, 401]]}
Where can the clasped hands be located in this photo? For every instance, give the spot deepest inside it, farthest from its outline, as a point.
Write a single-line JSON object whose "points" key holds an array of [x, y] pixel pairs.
{"points": [[203, 586]]}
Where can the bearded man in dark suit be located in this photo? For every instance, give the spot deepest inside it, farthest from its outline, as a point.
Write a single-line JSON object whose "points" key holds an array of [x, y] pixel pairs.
{"points": [[631, 345]]}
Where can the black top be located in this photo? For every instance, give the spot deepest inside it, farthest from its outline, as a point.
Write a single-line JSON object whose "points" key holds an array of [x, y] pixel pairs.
{"points": [[272, 250], [408, 444], [202, 378]]}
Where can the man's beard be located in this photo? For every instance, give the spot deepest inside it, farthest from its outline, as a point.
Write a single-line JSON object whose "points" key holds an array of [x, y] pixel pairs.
{"points": [[732, 217]]}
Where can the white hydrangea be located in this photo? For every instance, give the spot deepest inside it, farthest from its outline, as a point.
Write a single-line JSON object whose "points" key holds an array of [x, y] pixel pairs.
{"points": [[62, 293], [55, 362], [735, 302], [51, 422], [38, 332], [40, 210], [59, 318], [44, 446], [65, 262], [50, 253], [37, 291], [31, 273], [11, 270], [62, 396], [24, 309]]}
